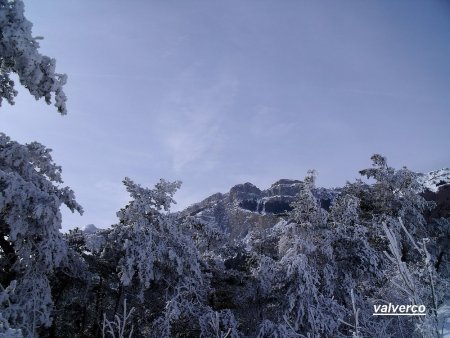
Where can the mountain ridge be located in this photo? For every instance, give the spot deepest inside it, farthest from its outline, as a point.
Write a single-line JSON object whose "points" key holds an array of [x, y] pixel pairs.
{"points": [[245, 207]]}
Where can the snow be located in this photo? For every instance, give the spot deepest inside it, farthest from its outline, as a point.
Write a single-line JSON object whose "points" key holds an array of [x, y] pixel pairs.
{"points": [[36, 72], [435, 179]]}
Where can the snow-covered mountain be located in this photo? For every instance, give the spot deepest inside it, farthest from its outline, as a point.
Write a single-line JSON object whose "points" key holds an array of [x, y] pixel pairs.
{"points": [[246, 207], [436, 179]]}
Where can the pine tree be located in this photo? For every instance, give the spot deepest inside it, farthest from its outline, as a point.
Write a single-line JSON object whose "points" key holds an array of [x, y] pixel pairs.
{"points": [[30, 219], [19, 54]]}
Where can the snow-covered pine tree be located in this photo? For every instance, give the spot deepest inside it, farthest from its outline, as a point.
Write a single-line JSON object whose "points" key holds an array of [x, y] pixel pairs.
{"points": [[205, 232], [19, 54], [153, 242], [395, 193], [30, 219], [366, 221], [158, 254], [306, 209], [309, 268]]}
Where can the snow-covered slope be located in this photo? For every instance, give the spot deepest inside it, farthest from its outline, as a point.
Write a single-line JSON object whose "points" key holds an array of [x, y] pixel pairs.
{"points": [[435, 179]]}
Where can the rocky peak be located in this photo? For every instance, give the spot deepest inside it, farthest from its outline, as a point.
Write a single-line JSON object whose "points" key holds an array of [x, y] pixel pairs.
{"points": [[246, 207], [90, 229], [243, 192], [284, 187]]}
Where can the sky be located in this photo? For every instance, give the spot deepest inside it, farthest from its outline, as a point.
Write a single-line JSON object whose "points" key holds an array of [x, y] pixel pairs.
{"points": [[217, 93]]}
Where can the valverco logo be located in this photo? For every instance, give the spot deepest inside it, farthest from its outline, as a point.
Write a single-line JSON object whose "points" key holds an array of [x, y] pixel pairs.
{"points": [[399, 310]]}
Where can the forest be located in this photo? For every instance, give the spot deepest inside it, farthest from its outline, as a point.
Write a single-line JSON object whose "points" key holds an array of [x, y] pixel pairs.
{"points": [[313, 269]]}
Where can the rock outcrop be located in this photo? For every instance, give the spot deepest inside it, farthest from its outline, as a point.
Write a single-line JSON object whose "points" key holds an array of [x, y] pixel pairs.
{"points": [[246, 207]]}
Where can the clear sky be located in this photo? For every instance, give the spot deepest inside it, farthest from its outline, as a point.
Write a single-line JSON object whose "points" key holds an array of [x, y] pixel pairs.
{"points": [[216, 93]]}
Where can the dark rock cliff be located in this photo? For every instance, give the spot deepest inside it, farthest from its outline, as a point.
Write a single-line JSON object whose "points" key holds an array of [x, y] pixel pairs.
{"points": [[246, 207]]}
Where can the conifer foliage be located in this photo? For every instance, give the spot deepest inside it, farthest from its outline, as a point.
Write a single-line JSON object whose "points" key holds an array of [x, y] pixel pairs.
{"points": [[30, 239], [19, 54]]}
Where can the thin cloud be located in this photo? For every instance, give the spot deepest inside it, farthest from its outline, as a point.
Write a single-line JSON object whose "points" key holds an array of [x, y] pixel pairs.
{"points": [[192, 119]]}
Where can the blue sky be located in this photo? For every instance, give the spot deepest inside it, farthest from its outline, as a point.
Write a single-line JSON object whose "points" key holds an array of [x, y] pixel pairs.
{"points": [[216, 93]]}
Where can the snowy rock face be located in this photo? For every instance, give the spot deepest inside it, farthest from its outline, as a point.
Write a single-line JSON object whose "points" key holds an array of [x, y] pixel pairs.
{"points": [[284, 187], [434, 180], [245, 207], [246, 191], [436, 186]]}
